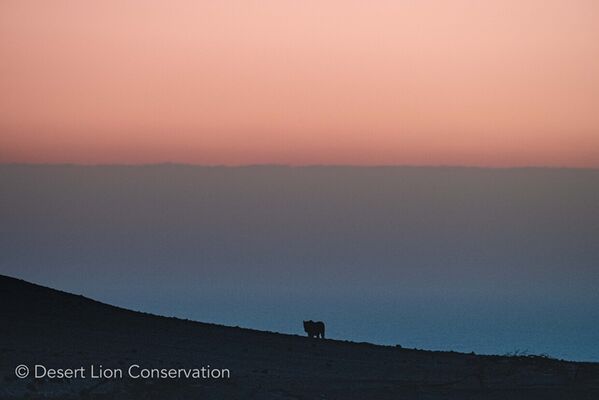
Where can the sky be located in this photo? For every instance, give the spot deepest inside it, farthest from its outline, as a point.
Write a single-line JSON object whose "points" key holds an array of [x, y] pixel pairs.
{"points": [[461, 82]]}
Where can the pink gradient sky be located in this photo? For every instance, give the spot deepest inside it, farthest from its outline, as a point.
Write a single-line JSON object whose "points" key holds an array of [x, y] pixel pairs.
{"points": [[488, 83]]}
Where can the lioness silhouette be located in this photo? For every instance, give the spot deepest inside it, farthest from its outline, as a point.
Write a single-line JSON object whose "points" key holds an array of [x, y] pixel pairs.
{"points": [[314, 328]]}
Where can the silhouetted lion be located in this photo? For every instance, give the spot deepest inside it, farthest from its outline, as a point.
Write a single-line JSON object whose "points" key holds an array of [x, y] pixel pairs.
{"points": [[314, 329]]}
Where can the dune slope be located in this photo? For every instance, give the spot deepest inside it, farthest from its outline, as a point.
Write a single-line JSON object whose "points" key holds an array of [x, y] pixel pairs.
{"points": [[42, 326]]}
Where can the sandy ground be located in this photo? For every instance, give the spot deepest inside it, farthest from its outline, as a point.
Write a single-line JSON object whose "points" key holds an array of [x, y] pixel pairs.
{"points": [[41, 326]]}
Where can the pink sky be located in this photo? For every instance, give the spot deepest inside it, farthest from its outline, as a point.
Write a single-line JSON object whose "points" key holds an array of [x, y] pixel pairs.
{"points": [[489, 83]]}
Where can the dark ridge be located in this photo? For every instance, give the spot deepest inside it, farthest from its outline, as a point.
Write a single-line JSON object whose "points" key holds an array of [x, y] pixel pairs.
{"points": [[39, 325]]}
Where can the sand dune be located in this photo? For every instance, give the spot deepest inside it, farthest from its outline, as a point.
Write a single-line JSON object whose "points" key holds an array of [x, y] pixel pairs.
{"points": [[59, 331]]}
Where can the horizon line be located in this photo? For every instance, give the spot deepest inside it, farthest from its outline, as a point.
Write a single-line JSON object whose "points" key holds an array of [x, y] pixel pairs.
{"points": [[281, 165]]}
